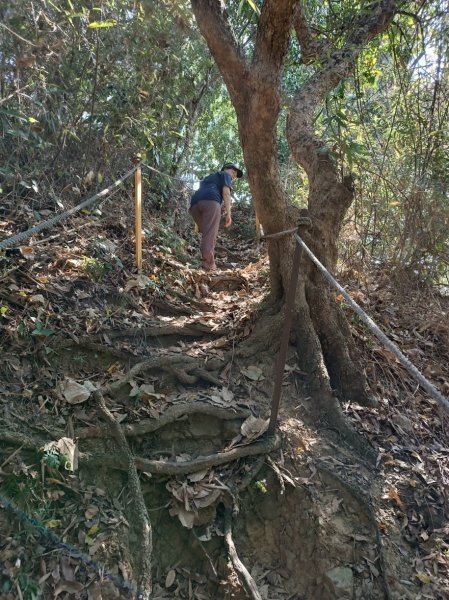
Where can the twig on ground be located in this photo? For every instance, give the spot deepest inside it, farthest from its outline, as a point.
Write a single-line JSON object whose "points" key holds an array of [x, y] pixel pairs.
{"points": [[11, 456], [240, 569]]}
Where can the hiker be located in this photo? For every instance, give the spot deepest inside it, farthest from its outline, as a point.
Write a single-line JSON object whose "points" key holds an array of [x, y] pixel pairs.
{"points": [[205, 208]]}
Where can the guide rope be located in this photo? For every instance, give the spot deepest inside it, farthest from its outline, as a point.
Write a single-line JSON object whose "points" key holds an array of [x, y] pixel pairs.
{"points": [[189, 182], [71, 550], [414, 372], [20, 237]]}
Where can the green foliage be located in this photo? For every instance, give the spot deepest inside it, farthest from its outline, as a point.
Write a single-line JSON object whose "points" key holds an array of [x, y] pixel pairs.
{"points": [[261, 486], [100, 83], [386, 127], [163, 238], [96, 268], [28, 587], [24, 488], [85, 86], [53, 459], [41, 330], [101, 260]]}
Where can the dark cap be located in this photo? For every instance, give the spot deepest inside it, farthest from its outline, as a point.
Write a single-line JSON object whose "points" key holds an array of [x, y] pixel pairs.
{"points": [[230, 165]]}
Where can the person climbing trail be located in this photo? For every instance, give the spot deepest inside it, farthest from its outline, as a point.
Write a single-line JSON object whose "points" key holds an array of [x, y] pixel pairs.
{"points": [[205, 208]]}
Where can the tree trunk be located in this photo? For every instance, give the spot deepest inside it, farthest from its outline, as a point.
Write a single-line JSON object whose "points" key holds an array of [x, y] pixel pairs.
{"points": [[325, 347]]}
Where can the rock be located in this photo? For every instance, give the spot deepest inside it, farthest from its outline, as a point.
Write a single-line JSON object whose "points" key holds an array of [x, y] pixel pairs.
{"points": [[339, 582], [403, 422]]}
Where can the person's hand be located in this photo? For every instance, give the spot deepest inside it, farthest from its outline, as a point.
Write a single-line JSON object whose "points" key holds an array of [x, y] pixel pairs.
{"points": [[228, 220]]}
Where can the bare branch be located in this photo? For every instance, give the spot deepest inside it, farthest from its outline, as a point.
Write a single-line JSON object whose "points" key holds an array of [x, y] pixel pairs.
{"points": [[17, 35]]}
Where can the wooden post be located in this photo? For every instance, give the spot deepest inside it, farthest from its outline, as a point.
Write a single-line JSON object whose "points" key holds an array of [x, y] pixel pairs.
{"points": [[138, 213], [257, 229]]}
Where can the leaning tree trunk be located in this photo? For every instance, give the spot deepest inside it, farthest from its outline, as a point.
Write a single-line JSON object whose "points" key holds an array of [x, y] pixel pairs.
{"points": [[330, 196], [325, 348]]}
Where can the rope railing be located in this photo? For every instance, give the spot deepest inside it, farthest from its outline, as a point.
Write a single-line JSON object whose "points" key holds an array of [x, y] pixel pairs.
{"points": [[403, 360], [70, 550], [425, 383], [20, 237]]}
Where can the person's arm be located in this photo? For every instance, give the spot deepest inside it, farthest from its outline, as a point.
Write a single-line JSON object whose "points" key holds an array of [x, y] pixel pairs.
{"points": [[227, 205]]}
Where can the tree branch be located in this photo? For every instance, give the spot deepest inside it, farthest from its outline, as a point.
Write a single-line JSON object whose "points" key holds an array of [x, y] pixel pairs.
{"points": [[311, 49], [273, 34], [342, 60], [213, 22], [366, 26]]}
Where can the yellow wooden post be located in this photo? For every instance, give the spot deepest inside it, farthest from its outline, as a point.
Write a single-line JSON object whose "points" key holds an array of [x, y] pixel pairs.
{"points": [[257, 228], [138, 214]]}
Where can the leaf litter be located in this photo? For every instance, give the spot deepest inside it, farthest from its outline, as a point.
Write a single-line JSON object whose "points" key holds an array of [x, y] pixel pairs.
{"points": [[54, 289]]}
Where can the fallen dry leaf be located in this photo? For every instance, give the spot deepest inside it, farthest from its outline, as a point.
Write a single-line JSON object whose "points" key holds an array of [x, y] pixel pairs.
{"points": [[253, 373], [67, 448], [393, 495], [74, 392], [170, 579], [185, 516], [253, 427], [72, 587], [91, 511]]}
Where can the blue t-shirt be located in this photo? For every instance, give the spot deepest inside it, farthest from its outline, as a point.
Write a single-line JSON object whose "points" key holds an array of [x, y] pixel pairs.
{"points": [[211, 187]]}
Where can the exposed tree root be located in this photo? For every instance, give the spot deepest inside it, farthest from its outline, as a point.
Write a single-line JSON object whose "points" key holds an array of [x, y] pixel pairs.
{"points": [[249, 477], [188, 330], [202, 306], [239, 567], [172, 468], [172, 414], [332, 417], [263, 338], [142, 524], [214, 280], [122, 355], [179, 365], [170, 308], [19, 439]]}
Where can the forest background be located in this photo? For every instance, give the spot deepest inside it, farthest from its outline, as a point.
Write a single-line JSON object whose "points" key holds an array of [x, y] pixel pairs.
{"points": [[85, 87]]}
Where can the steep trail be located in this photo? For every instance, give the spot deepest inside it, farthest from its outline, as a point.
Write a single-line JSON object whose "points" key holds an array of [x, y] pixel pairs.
{"points": [[314, 519]]}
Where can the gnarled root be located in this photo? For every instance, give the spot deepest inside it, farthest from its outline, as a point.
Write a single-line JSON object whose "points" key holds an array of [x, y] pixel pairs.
{"points": [[142, 524], [168, 467], [242, 572], [172, 414], [364, 501]]}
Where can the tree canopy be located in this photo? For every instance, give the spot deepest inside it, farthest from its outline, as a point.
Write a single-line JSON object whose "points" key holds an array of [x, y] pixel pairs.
{"points": [[84, 86]]}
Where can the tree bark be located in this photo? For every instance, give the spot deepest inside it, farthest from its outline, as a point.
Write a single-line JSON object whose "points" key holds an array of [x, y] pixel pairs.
{"points": [[325, 348]]}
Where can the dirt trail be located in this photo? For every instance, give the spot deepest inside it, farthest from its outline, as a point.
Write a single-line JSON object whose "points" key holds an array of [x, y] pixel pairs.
{"points": [[184, 365]]}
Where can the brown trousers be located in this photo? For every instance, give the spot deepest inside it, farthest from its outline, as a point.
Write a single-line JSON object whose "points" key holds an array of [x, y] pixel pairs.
{"points": [[206, 214]]}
